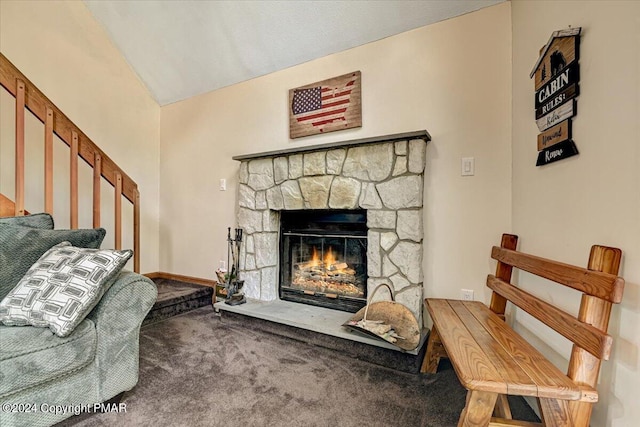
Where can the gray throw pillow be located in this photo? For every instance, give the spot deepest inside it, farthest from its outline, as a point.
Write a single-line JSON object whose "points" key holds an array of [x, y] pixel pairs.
{"points": [[62, 287], [40, 220], [20, 247]]}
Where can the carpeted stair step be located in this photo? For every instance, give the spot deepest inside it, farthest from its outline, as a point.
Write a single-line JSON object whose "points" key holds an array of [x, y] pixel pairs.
{"points": [[175, 297]]}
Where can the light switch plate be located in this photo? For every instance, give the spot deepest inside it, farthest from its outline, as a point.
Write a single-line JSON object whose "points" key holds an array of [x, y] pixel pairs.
{"points": [[468, 167]]}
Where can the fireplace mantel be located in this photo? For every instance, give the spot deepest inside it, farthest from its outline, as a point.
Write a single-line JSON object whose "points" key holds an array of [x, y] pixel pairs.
{"points": [[383, 175], [406, 136]]}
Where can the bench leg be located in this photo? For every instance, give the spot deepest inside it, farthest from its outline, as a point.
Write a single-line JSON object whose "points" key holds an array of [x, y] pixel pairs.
{"points": [[477, 412], [555, 413], [435, 350], [502, 409], [580, 413]]}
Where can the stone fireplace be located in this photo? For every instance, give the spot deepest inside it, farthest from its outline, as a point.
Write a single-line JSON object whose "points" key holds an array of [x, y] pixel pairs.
{"points": [[380, 177]]}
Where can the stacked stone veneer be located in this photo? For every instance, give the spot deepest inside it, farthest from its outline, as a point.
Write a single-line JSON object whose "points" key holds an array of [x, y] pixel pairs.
{"points": [[386, 179]]}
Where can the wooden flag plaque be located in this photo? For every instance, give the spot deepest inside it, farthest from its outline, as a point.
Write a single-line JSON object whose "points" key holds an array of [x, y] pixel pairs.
{"points": [[326, 106], [556, 80]]}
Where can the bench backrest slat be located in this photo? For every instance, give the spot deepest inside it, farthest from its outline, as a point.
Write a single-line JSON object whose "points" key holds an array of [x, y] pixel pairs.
{"points": [[608, 287], [600, 287], [582, 334]]}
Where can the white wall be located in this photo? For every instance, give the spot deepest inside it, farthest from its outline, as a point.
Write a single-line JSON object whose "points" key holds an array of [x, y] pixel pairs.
{"points": [[64, 51], [561, 209], [452, 78]]}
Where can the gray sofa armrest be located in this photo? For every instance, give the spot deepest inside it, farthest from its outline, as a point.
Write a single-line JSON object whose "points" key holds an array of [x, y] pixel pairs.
{"points": [[118, 317]]}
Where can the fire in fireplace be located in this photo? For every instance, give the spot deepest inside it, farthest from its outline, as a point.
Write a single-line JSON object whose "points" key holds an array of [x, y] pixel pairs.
{"points": [[324, 273], [324, 258]]}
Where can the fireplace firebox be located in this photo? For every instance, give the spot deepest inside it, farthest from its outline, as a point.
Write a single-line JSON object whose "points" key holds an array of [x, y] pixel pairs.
{"points": [[323, 258]]}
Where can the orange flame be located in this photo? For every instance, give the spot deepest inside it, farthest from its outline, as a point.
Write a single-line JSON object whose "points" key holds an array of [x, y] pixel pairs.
{"points": [[329, 258], [315, 259]]}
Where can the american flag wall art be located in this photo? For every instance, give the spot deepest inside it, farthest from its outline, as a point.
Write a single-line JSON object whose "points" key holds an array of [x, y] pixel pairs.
{"points": [[325, 106]]}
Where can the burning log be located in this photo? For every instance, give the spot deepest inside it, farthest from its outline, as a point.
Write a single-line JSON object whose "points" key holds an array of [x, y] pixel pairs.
{"points": [[308, 265], [315, 266], [327, 275], [313, 285], [338, 266]]}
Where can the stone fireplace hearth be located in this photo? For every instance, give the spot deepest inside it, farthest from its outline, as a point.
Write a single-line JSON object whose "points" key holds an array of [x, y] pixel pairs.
{"points": [[383, 176]]}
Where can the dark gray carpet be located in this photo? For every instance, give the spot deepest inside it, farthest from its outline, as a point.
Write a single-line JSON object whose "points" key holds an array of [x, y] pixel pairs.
{"points": [[197, 369]]}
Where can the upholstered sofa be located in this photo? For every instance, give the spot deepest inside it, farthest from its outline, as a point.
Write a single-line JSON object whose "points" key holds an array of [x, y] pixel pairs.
{"points": [[45, 378]]}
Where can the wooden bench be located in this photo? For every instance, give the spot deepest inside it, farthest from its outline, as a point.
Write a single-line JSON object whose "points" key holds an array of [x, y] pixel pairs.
{"points": [[491, 360]]}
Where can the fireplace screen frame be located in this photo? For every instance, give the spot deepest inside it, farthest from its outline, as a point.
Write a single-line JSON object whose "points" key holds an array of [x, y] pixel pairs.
{"points": [[350, 225]]}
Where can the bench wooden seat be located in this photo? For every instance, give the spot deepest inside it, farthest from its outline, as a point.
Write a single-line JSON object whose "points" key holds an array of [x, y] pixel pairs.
{"points": [[491, 360]]}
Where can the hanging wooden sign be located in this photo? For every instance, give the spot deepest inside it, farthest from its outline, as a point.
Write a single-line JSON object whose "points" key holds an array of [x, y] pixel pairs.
{"points": [[560, 98], [558, 90], [561, 113], [568, 77], [554, 135], [556, 77], [559, 151], [560, 51]]}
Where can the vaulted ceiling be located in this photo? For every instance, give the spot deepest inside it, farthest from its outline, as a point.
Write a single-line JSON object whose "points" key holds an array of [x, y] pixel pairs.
{"points": [[180, 49]]}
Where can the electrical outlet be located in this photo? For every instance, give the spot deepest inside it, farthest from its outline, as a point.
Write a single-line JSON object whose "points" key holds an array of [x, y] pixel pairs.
{"points": [[223, 265], [466, 294], [223, 184]]}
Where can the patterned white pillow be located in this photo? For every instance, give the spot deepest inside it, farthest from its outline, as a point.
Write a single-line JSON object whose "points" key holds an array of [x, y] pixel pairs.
{"points": [[62, 287]]}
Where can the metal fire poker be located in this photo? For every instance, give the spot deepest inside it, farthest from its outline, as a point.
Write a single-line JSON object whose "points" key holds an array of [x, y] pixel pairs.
{"points": [[233, 284]]}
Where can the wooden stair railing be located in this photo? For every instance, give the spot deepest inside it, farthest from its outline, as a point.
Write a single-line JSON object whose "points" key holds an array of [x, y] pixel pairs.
{"points": [[29, 97], [7, 207]]}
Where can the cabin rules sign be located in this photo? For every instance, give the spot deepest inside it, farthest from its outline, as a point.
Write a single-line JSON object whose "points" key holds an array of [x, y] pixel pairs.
{"points": [[556, 76]]}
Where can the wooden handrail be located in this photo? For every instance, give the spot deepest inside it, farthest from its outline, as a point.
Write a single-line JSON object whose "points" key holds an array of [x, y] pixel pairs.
{"points": [[29, 97], [37, 103]]}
